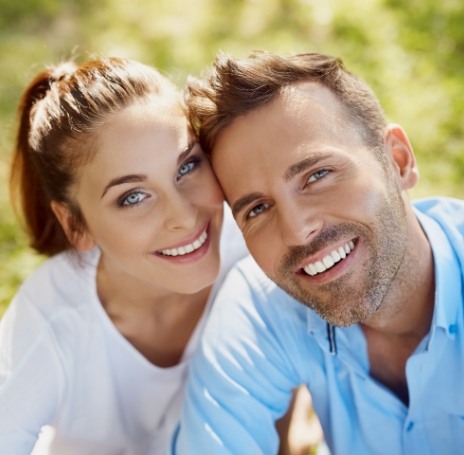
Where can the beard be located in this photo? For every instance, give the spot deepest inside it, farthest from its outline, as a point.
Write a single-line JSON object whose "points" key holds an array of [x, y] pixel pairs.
{"points": [[358, 294]]}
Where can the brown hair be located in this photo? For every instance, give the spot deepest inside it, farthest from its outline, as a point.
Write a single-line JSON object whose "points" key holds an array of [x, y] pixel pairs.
{"points": [[59, 115], [235, 87]]}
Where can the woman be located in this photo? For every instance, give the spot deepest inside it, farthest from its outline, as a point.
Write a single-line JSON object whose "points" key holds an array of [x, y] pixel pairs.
{"points": [[116, 190]]}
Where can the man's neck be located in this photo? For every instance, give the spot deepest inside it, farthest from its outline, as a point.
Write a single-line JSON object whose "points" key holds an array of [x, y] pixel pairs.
{"points": [[407, 309], [395, 330]]}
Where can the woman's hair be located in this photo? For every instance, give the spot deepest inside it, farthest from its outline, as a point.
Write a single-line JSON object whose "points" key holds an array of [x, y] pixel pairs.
{"points": [[234, 87], [60, 113]]}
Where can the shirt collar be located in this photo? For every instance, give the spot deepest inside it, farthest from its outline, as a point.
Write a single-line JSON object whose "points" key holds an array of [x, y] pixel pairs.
{"points": [[448, 281], [321, 331]]}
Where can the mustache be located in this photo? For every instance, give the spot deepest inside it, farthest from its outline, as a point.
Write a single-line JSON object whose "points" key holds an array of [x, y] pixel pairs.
{"points": [[296, 254]]}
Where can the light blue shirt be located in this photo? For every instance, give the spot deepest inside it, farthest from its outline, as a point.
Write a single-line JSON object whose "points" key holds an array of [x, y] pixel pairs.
{"points": [[259, 344]]}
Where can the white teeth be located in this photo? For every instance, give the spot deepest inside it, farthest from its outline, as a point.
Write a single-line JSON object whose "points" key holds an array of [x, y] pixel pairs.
{"points": [[330, 260], [312, 269], [186, 248], [189, 248], [335, 256]]}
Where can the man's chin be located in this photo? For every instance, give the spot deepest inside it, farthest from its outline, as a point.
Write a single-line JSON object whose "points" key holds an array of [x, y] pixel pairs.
{"points": [[333, 310]]}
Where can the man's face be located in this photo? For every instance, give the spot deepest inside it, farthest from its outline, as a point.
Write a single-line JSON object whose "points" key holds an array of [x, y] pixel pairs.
{"points": [[320, 214]]}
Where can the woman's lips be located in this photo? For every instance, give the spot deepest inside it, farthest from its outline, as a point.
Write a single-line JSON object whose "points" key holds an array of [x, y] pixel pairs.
{"points": [[188, 247]]}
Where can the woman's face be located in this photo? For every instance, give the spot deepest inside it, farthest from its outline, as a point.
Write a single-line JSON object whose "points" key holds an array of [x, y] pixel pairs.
{"points": [[151, 201]]}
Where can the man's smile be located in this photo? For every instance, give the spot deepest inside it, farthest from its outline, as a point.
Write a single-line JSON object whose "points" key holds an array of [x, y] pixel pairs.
{"points": [[330, 259]]}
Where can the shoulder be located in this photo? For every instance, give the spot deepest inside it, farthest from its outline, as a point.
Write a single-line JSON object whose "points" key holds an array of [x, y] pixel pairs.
{"points": [[445, 210], [50, 311], [447, 214], [64, 281], [247, 294], [253, 320], [248, 275]]}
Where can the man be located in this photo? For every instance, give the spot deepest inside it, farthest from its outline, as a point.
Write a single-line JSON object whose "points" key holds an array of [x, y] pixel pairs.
{"points": [[317, 183]]}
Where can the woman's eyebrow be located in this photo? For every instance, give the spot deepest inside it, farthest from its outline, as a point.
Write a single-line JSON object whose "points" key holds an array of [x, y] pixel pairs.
{"points": [[142, 178], [124, 179], [185, 152]]}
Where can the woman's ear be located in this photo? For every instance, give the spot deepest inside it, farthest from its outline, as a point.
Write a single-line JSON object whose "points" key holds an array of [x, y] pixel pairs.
{"points": [[81, 240], [402, 154]]}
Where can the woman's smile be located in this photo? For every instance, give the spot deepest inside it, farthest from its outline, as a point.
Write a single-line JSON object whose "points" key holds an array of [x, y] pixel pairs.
{"points": [[186, 248]]}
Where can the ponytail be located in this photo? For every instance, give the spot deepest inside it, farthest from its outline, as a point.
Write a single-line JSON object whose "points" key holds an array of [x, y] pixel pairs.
{"points": [[26, 184]]}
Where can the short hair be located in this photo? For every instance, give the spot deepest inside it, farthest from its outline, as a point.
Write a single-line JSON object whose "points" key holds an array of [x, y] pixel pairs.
{"points": [[235, 87]]}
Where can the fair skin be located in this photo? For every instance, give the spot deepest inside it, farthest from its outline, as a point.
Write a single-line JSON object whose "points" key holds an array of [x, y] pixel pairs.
{"points": [[153, 206], [339, 220], [148, 197]]}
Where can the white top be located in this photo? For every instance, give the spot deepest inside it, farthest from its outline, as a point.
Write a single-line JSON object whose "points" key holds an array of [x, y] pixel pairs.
{"points": [[64, 365]]}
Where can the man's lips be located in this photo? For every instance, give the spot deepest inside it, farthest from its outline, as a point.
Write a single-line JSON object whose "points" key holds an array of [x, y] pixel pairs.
{"points": [[329, 260], [187, 248]]}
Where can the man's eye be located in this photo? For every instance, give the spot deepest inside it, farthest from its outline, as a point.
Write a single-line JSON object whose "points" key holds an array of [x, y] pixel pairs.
{"points": [[317, 175], [257, 210], [133, 199]]}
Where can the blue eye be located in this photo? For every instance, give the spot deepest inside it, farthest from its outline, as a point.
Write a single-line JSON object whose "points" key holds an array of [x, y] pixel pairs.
{"points": [[131, 199], [257, 210], [188, 167], [317, 175]]}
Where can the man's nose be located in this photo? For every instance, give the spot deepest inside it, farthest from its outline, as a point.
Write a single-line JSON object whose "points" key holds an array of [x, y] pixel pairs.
{"points": [[298, 223]]}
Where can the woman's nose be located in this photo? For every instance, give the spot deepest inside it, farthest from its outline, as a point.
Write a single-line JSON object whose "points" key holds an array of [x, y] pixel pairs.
{"points": [[181, 212]]}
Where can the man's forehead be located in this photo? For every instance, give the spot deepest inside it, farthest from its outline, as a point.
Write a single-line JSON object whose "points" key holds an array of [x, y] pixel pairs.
{"points": [[296, 103], [306, 116], [292, 98], [309, 92]]}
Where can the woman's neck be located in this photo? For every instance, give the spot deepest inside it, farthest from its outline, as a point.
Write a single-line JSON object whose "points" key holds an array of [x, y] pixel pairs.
{"points": [[157, 322]]}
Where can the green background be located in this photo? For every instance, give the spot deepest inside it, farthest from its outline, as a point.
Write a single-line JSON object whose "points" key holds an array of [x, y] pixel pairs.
{"points": [[410, 52]]}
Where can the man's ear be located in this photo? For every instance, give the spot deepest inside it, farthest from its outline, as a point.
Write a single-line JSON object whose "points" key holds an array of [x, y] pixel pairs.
{"points": [[402, 155], [81, 240]]}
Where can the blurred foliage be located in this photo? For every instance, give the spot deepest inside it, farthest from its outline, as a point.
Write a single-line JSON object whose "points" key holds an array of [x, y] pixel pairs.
{"points": [[411, 53]]}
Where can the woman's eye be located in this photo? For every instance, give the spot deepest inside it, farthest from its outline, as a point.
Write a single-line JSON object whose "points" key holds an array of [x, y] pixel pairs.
{"points": [[257, 210], [133, 199], [317, 175], [187, 168]]}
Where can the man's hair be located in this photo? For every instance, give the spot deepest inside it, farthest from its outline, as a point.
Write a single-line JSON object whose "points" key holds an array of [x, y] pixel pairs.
{"points": [[235, 87]]}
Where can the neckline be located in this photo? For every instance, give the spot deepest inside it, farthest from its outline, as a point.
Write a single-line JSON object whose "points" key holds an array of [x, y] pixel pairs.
{"points": [[93, 260]]}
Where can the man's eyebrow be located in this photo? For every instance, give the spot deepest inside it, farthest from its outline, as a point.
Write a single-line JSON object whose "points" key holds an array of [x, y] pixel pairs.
{"points": [[302, 165], [124, 179], [239, 204]]}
